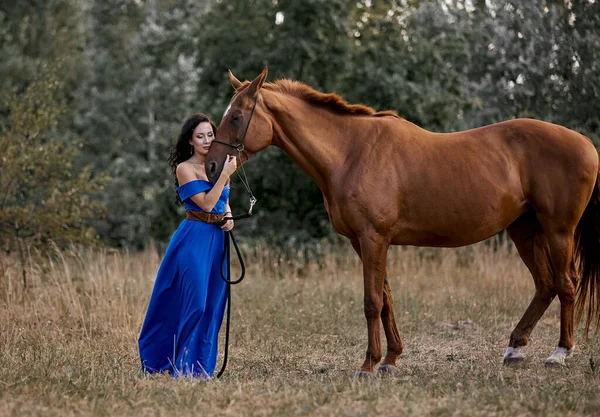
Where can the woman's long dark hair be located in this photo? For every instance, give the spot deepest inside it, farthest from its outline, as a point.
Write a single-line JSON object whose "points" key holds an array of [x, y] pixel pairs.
{"points": [[183, 150]]}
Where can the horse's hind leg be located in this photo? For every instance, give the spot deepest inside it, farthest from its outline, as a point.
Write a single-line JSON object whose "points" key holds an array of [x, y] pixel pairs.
{"points": [[560, 250], [548, 253], [527, 235]]}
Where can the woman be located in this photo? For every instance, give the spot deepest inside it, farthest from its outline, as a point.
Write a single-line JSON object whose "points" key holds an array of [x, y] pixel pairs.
{"points": [[185, 312]]}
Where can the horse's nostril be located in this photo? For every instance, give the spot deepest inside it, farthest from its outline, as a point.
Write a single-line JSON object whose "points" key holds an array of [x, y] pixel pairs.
{"points": [[213, 167]]}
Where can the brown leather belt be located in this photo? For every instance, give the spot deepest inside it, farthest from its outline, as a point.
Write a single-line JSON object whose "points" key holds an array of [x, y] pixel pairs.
{"points": [[201, 216]]}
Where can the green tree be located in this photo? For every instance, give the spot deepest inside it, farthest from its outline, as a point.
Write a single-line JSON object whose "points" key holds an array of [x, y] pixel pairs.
{"points": [[539, 59], [413, 60], [33, 32], [41, 198], [140, 84]]}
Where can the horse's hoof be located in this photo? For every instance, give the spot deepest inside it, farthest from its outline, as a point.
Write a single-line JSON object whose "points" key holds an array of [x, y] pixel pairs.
{"points": [[387, 370], [513, 360], [554, 363], [558, 358], [363, 376], [513, 356]]}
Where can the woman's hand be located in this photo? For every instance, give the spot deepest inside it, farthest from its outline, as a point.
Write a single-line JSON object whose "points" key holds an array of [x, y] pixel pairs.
{"points": [[230, 165], [228, 224]]}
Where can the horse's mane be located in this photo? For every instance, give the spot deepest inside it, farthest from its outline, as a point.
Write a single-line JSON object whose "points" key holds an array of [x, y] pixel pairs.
{"points": [[331, 101]]}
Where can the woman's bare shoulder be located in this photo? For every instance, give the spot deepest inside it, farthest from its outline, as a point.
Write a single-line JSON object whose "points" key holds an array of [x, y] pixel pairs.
{"points": [[184, 166], [186, 172]]}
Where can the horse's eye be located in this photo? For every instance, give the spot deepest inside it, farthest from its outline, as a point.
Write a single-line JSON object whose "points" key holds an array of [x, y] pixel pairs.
{"points": [[236, 117]]}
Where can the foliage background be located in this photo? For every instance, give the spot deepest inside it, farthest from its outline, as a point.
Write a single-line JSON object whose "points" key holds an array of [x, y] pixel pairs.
{"points": [[134, 69]]}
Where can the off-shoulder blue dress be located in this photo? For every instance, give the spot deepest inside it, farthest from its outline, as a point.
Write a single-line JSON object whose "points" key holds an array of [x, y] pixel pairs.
{"points": [[181, 328]]}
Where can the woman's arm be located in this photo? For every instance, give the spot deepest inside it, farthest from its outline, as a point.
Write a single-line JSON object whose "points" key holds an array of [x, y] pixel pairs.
{"points": [[229, 223], [206, 201]]}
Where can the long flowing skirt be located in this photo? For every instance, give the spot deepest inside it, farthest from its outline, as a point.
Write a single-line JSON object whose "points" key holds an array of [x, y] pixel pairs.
{"points": [[181, 328]]}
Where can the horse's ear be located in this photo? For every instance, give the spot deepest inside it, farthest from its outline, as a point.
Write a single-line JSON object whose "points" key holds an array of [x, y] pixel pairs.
{"points": [[258, 82], [237, 84]]}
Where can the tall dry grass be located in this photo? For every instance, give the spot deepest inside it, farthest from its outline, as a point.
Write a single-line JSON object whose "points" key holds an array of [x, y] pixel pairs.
{"points": [[68, 344]]}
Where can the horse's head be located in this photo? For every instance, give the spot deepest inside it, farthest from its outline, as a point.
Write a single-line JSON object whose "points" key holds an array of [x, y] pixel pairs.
{"points": [[245, 127]]}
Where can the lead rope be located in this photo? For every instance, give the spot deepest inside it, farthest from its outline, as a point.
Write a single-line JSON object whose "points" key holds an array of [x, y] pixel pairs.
{"points": [[226, 274]]}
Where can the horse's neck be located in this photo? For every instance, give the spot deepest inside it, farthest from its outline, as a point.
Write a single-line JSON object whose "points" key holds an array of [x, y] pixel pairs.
{"points": [[313, 138]]}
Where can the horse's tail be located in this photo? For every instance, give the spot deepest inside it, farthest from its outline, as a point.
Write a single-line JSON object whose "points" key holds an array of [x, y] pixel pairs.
{"points": [[587, 258]]}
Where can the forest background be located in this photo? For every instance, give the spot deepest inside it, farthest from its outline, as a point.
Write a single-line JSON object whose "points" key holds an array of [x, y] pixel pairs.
{"points": [[93, 94]]}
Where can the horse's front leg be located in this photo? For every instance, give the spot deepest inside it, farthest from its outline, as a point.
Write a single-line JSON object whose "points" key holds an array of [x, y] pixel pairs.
{"points": [[373, 250], [392, 335]]}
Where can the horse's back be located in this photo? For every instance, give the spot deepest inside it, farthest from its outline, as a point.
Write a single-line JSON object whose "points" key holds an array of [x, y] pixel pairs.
{"points": [[458, 188], [536, 137], [547, 157]]}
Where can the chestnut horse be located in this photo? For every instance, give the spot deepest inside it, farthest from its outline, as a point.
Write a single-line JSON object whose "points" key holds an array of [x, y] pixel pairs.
{"points": [[387, 181]]}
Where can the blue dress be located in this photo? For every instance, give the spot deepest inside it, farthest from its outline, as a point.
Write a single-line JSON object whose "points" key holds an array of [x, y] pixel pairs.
{"points": [[181, 328]]}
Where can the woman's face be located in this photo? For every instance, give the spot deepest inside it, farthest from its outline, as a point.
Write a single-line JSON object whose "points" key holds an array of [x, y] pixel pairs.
{"points": [[202, 138]]}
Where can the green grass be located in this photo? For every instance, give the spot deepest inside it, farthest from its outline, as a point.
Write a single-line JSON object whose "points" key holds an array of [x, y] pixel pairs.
{"points": [[68, 346]]}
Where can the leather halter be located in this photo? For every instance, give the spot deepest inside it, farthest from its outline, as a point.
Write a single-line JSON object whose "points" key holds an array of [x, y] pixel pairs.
{"points": [[239, 147]]}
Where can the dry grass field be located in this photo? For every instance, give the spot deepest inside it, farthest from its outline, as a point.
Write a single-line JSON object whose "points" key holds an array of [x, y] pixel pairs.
{"points": [[68, 346]]}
